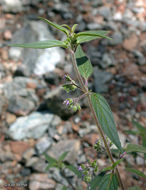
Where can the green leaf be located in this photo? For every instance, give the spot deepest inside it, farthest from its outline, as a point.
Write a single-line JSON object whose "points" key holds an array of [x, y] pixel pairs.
{"points": [[57, 26], [135, 148], [109, 182], [90, 35], [74, 28], [105, 118], [41, 44], [139, 173], [69, 87], [83, 63], [50, 159], [134, 188], [63, 156], [74, 170], [64, 188], [95, 182], [50, 166]]}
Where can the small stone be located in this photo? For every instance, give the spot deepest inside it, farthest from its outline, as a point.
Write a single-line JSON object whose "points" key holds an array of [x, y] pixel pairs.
{"points": [[43, 144], [56, 121], [10, 118], [15, 53], [41, 181], [38, 165], [20, 106], [7, 35], [131, 70], [101, 79], [93, 26], [28, 154], [32, 126], [72, 146], [139, 160], [117, 38], [130, 43], [25, 172], [91, 138], [105, 12], [141, 60], [19, 147]]}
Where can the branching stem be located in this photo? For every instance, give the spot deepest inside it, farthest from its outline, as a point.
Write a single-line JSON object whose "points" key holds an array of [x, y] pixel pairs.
{"points": [[85, 89]]}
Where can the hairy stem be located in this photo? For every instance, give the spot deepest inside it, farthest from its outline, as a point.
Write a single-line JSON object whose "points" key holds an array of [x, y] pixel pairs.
{"points": [[85, 89]]}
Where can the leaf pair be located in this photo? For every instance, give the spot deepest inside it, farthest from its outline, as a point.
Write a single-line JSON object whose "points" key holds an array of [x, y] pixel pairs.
{"points": [[106, 182], [78, 38]]}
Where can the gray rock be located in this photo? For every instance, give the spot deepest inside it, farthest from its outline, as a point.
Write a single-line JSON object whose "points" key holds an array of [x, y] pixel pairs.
{"points": [[28, 154], [101, 78], [21, 100], [32, 126], [13, 6], [3, 103], [56, 175], [20, 106], [72, 146], [56, 121], [140, 160], [41, 181], [141, 60], [39, 165], [105, 12], [107, 60], [37, 61], [2, 71], [93, 26], [117, 38], [43, 144]]}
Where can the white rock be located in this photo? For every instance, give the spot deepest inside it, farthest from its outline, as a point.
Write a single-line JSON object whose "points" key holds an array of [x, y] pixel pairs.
{"points": [[32, 126]]}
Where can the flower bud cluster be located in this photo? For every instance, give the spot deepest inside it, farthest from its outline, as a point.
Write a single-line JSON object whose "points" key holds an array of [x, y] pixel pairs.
{"points": [[88, 170], [72, 104]]}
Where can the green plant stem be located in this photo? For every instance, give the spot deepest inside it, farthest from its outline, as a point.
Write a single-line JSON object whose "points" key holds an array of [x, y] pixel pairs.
{"points": [[85, 89]]}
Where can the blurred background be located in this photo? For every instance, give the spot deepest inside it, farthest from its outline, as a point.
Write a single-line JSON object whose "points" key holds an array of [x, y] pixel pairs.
{"points": [[33, 119]]}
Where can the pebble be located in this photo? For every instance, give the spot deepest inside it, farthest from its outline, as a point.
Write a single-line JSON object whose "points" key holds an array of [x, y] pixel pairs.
{"points": [[43, 144], [72, 146], [130, 43], [31, 126], [7, 35], [41, 181]]}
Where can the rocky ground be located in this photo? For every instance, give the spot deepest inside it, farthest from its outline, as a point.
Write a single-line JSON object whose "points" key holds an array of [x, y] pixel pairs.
{"points": [[33, 118]]}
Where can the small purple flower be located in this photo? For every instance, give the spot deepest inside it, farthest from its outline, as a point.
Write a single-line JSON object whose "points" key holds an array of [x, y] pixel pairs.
{"points": [[64, 77], [80, 168], [123, 154], [66, 102], [96, 142]]}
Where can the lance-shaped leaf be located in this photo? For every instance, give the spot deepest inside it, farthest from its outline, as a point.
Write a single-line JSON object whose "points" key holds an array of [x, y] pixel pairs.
{"points": [[135, 148], [63, 156], [57, 26], [91, 35], [106, 182], [139, 173], [41, 44], [83, 63], [105, 118]]}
